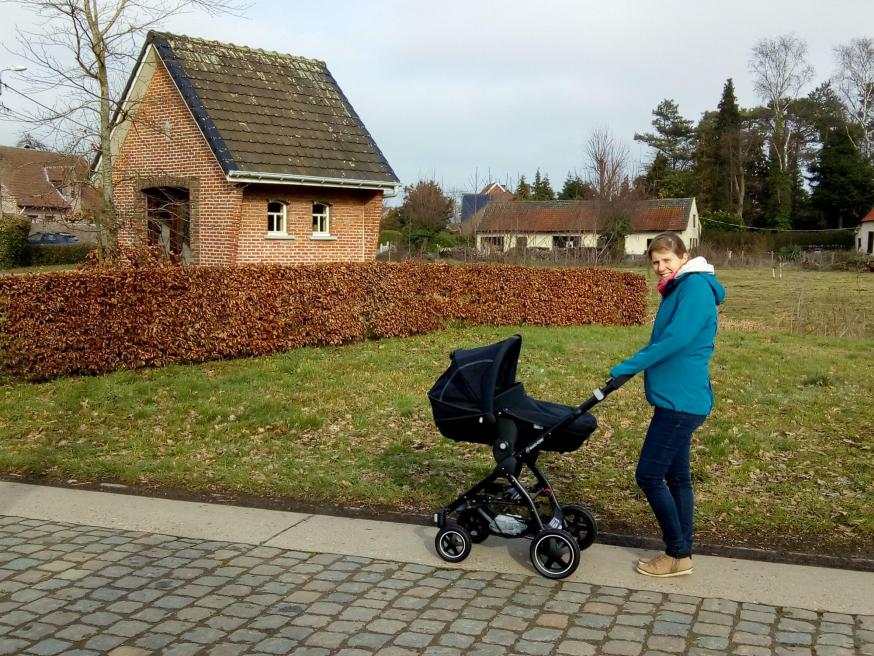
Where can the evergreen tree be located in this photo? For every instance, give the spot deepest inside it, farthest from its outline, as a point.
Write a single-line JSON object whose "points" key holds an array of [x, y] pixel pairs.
{"points": [[674, 136], [523, 190], [842, 180], [575, 188], [670, 173], [728, 156], [542, 189]]}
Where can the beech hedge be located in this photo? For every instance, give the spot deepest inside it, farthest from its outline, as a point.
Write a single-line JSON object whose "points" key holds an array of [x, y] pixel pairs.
{"points": [[95, 321]]}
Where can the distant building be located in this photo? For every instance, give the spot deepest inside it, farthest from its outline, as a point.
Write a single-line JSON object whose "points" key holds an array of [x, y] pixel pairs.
{"points": [[473, 203], [51, 189], [561, 224]]}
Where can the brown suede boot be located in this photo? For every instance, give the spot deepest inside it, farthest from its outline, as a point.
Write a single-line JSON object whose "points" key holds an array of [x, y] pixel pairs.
{"points": [[665, 566]]}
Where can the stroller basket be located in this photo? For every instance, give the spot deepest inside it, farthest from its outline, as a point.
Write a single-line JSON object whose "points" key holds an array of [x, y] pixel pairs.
{"points": [[474, 396]]}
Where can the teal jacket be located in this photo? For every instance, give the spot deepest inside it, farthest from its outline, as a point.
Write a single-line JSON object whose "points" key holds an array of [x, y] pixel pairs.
{"points": [[676, 359]]}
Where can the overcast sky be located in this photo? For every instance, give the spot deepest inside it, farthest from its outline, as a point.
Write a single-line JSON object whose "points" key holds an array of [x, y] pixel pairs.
{"points": [[453, 90]]}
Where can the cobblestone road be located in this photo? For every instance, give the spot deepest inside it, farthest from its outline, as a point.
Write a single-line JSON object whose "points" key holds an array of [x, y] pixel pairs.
{"points": [[76, 590]]}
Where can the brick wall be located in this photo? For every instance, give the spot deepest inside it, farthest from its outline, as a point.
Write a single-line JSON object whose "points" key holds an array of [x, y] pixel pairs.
{"points": [[164, 147], [354, 226]]}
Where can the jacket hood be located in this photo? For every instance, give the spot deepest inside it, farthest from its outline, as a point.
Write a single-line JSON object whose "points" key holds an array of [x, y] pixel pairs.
{"points": [[701, 266], [696, 265]]}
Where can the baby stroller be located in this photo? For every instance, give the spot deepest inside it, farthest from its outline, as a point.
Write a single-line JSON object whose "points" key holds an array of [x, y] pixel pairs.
{"points": [[477, 399]]}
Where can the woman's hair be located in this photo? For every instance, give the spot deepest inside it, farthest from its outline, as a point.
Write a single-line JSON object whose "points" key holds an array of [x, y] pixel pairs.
{"points": [[667, 241]]}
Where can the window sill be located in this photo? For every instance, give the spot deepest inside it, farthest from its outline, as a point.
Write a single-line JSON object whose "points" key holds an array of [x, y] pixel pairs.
{"points": [[316, 237], [280, 236]]}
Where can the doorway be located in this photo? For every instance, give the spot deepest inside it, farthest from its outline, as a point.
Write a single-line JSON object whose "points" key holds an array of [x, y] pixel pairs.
{"points": [[168, 220]]}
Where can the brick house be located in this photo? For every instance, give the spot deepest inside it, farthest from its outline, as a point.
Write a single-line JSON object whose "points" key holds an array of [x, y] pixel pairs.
{"points": [[227, 155], [558, 224], [51, 189]]}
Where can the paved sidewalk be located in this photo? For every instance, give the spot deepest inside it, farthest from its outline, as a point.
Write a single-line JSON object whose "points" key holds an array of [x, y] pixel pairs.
{"points": [[67, 587]]}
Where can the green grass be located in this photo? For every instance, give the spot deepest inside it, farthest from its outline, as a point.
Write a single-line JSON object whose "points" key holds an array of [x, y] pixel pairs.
{"points": [[45, 268], [785, 460]]}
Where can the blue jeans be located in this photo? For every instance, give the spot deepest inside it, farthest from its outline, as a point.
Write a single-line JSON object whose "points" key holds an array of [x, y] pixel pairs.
{"points": [[664, 477]]}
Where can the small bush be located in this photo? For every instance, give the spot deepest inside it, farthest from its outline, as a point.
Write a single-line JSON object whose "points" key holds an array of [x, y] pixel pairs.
{"points": [[14, 229], [41, 255]]}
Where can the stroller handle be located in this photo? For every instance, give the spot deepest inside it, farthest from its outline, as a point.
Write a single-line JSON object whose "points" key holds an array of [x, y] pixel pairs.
{"points": [[601, 393]]}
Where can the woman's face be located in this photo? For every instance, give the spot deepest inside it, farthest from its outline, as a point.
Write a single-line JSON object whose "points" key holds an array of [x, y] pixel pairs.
{"points": [[667, 263]]}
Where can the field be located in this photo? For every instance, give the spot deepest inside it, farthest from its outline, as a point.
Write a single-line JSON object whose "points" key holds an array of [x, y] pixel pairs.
{"points": [[785, 461]]}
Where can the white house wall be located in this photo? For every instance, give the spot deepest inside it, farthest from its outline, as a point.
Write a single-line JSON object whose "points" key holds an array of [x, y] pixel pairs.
{"points": [[862, 237], [534, 240], [637, 243]]}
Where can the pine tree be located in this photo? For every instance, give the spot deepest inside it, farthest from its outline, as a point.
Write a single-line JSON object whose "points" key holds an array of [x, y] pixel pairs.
{"points": [[575, 188], [542, 189], [842, 180], [523, 190], [728, 157], [674, 136]]}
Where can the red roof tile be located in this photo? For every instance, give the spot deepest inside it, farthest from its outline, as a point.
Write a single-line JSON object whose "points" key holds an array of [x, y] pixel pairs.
{"points": [[34, 177], [579, 216], [869, 216]]}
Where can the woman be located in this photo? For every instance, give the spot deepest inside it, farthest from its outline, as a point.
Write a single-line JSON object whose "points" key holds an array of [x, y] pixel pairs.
{"points": [[677, 384]]}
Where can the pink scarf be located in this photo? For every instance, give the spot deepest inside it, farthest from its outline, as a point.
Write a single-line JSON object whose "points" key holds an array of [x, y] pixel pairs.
{"points": [[663, 283]]}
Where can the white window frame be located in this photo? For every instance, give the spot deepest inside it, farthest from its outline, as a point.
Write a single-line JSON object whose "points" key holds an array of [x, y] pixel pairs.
{"points": [[281, 216], [319, 218]]}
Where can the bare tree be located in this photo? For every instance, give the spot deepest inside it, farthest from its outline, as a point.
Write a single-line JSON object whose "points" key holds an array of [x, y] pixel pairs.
{"points": [[780, 71], [854, 80], [83, 51], [606, 164]]}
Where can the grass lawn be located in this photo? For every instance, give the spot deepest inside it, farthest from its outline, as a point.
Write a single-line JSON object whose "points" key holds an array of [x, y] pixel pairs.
{"points": [[785, 460]]}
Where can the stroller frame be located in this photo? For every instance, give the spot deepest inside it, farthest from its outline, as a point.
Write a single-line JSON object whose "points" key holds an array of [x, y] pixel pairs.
{"points": [[557, 537]]}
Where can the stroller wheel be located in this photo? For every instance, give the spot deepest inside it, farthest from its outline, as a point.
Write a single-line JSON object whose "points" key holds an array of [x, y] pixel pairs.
{"points": [[453, 543], [554, 553], [580, 523], [475, 524]]}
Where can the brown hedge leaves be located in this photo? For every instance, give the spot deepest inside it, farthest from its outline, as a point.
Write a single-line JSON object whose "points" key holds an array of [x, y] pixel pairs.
{"points": [[96, 321]]}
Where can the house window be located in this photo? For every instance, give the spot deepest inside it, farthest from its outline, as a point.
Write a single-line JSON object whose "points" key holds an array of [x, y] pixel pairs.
{"points": [[492, 242], [277, 212], [321, 219], [565, 241]]}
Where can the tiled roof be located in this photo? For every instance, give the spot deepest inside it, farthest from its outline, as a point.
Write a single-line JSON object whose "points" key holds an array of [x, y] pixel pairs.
{"points": [[28, 175], [573, 216], [496, 189], [869, 216], [271, 113]]}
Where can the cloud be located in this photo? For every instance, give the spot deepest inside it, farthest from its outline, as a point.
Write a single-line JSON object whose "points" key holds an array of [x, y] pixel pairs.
{"points": [[449, 87]]}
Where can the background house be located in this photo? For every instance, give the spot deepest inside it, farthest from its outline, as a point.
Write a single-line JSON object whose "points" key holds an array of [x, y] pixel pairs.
{"points": [[559, 224], [473, 203], [51, 189], [865, 234], [226, 154]]}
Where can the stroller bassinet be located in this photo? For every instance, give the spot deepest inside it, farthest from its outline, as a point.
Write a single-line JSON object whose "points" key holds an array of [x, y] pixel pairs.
{"points": [[480, 386], [477, 399]]}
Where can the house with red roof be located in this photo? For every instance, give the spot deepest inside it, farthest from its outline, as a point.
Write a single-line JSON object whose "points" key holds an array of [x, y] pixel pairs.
{"points": [[51, 189], [865, 234], [562, 224], [225, 154]]}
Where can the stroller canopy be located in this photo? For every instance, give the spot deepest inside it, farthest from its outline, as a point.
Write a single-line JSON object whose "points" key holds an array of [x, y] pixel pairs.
{"points": [[476, 376]]}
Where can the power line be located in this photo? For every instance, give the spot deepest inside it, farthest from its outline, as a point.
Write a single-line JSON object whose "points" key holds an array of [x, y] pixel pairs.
{"points": [[743, 227], [54, 111]]}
